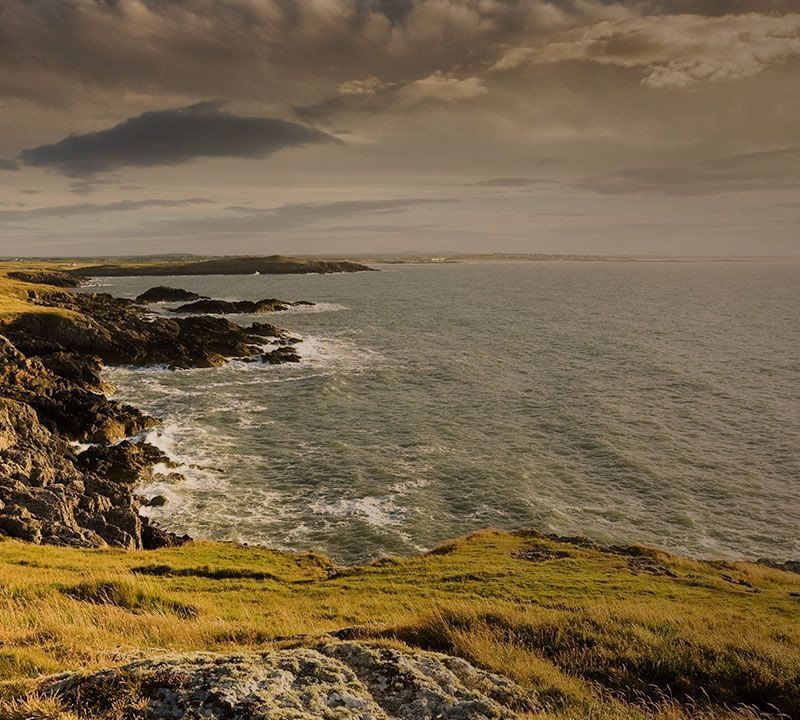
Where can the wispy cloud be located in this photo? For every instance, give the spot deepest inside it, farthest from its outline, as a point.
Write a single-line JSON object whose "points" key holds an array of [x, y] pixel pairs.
{"points": [[76, 209], [767, 170]]}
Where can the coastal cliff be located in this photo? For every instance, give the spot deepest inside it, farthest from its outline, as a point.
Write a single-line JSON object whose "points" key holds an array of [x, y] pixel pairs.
{"points": [[104, 616], [70, 468]]}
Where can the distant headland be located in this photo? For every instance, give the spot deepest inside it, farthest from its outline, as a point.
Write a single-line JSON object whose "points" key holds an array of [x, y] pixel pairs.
{"points": [[233, 265]]}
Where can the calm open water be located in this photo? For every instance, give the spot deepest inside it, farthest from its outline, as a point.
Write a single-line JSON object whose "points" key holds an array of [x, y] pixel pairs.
{"points": [[654, 403]]}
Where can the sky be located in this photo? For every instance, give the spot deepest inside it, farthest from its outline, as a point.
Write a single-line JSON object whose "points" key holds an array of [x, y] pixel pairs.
{"points": [[357, 127]]}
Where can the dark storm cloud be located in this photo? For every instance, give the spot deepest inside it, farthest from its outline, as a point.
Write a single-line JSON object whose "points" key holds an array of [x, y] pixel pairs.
{"points": [[170, 137], [768, 170], [6, 164], [65, 211]]}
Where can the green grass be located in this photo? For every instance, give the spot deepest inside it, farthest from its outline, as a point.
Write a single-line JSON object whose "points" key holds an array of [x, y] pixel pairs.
{"points": [[594, 637], [14, 293]]}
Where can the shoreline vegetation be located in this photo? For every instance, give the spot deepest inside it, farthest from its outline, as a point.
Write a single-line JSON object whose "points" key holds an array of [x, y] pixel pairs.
{"points": [[492, 625]]}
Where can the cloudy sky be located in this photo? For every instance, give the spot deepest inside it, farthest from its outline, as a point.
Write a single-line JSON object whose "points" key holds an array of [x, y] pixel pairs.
{"points": [[367, 126]]}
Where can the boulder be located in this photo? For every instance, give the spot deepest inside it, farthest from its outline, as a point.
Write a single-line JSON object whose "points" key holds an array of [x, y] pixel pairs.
{"points": [[332, 680], [286, 354], [162, 293]]}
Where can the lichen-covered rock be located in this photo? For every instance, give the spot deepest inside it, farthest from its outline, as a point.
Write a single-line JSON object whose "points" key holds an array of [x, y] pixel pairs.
{"points": [[332, 681]]}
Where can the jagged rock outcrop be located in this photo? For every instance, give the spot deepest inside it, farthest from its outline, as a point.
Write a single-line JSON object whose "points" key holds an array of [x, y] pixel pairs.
{"points": [[331, 681], [286, 354], [162, 293], [48, 492], [52, 394], [238, 307], [62, 404], [118, 332]]}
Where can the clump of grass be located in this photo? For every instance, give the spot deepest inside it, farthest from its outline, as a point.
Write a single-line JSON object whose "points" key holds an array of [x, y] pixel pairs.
{"points": [[34, 708], [126, 593], [638, 656]]}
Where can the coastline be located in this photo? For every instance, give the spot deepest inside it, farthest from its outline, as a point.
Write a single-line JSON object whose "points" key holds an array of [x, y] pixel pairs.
{"points": [[521, 604]]}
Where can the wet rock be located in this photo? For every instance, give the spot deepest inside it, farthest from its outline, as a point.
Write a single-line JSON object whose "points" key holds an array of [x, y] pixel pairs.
{"points": [[119, 333], [226, 307], [126, 462], [47, 493], [162, 293], [266, 330], [335, 680], [157, 501], [287, 354]]}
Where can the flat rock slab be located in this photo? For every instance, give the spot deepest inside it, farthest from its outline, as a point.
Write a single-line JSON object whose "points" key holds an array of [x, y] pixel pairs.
{"points": [[331, 681]]}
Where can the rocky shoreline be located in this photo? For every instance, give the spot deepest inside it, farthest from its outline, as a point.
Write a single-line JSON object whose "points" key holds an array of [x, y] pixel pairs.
{"points": [[70, 458]]}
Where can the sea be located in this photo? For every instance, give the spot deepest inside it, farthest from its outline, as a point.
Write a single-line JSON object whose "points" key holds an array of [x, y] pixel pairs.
{"points": [[652, 403]]}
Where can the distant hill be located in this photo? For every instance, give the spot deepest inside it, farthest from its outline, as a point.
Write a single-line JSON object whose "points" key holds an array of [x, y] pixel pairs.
{"points": [[272, 265]]}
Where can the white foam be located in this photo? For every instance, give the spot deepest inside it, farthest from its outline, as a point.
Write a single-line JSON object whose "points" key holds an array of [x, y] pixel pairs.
{"points": [[320, 307], [376, 511], [340, 354]]}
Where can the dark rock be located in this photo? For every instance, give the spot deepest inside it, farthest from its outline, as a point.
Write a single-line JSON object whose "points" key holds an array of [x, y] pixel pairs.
{"points": [[154, 537], [281, 355], [167, 294], [266, 330], [157, 501], [81, 369], [785, 565], [228, 307], [126, 462], [47, 493], [119, 333]]}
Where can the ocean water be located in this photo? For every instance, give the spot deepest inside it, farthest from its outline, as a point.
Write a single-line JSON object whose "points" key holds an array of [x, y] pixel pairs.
{"points": [[654, 403]]}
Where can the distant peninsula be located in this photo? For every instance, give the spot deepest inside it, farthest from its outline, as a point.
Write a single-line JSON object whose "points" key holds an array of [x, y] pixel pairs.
{"points": [[241, 265]]}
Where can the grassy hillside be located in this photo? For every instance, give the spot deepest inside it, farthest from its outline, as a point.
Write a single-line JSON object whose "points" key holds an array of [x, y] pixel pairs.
{"points": [[14, 293], [597, 634]]}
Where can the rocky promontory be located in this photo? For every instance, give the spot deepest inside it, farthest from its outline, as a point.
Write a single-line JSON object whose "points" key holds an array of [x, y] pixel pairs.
{"points": [[238, 307], [341, 680], [72, 458], [118, 332]]}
